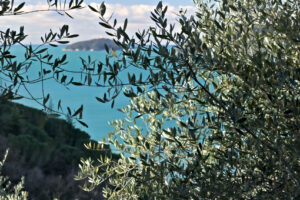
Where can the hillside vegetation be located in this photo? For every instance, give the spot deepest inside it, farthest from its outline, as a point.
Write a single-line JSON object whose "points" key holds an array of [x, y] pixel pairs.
{"points": [[45, 150]]}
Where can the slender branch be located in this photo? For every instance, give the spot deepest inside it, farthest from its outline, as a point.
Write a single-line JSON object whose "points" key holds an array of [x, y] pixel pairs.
{"points": [[40, 10]]}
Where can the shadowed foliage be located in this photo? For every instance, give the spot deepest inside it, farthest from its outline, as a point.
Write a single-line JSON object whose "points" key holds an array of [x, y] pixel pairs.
{"points": [[45, 150]]}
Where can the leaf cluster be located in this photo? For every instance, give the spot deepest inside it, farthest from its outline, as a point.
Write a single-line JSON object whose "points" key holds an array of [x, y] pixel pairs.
{"points": [[7, 192]]}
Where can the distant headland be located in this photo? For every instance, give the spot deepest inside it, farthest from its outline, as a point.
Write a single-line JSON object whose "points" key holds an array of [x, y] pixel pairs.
{"points": [[92, 45]]}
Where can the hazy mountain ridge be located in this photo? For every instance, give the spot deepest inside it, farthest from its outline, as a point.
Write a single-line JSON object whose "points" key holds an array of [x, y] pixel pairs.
{"points": [[92, 45]]}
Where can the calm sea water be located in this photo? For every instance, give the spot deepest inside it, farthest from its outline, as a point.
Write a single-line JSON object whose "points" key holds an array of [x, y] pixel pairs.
{"points": [[96, 114]]}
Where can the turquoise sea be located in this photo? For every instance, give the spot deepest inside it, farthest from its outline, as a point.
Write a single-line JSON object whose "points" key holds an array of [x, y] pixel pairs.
{"points": [[96, 114]]}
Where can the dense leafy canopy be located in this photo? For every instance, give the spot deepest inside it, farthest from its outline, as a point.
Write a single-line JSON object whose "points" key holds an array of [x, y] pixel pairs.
{"points": [[217, 114]]}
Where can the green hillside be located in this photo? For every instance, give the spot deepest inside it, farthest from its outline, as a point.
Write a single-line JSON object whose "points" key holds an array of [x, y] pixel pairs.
{"points": [[44, 150]]}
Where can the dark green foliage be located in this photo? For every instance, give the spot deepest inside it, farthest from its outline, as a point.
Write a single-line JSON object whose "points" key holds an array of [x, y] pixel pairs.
{"points": [[33, 132], [44, 150]]}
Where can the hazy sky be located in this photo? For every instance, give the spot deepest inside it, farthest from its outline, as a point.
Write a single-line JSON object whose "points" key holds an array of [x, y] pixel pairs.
{"points": [[85, 23]]}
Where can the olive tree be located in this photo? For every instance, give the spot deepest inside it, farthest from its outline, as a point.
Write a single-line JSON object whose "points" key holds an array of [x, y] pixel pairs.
{"points": [[214, 111]]}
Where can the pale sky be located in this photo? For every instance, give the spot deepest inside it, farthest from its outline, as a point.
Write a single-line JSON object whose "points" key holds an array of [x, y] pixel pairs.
{"points": [[85, 23]]}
